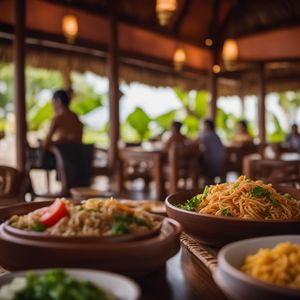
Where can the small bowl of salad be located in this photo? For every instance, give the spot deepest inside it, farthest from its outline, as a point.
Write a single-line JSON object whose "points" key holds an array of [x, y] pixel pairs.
{"points": [[67, 284]]}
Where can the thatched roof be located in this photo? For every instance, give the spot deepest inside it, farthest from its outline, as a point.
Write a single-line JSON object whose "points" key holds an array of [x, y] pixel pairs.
{"points": [[146, 48]]}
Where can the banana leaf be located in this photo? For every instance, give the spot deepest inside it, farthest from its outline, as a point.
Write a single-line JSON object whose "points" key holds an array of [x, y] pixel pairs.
{"points": [[139, 120]]}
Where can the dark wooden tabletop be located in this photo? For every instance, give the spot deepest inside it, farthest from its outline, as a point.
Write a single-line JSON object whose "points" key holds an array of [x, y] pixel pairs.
{"points": [[183, 278]]}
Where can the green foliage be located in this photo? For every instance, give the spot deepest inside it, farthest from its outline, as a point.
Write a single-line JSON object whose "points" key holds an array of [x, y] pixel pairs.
{"points": [[85, 106], [278, 134], [182, 96], [201, 104], [139, 120], [165, 120], [37, 116], [225, 123], [6, 82], [191, 126], [85, 98]]}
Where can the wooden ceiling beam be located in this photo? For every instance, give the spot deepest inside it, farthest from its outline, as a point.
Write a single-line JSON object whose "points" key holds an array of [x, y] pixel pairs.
{"points": [[102, 11], [179, 16]]}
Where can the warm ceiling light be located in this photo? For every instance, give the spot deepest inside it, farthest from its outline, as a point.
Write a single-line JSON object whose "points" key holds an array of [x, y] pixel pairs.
{"points": [[209, 42], [230, 50], [216, 69], [179, 58], [165, 10], [70, 27]]}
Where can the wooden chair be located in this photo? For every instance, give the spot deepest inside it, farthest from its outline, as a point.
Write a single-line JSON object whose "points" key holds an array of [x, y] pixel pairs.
{"points": [[73, 166], [234, 156], [272, 170], [11, 186], [183, 165]]}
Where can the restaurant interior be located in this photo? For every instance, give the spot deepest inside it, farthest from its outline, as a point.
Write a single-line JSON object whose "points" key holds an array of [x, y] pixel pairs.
{"points": [[149, 149]]}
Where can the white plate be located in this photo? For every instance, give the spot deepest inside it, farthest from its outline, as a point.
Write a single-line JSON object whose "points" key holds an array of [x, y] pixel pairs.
{"points": [[120, 286]]}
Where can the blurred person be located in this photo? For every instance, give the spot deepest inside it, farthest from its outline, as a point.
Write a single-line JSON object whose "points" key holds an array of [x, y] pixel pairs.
{"points": [[292, 140], [213, 152], [242, 135], [174, 135], [65, 125]]}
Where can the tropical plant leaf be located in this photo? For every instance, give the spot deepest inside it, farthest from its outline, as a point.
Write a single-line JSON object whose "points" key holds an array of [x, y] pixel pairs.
{"points": [[182, 96], [139, 120], [201, 103], [85, 106], [191, 126], [165, 121], [37, 116]]}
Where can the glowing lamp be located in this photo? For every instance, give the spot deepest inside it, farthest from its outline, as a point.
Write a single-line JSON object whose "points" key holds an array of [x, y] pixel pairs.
{"points": [[70, 27], [230, 50], [179, 58], [165, 10]]}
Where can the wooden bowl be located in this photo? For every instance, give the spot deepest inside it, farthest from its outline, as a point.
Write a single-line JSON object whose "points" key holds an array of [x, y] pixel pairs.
{"points": [[240, 286], [135, 257], [217, 231]]}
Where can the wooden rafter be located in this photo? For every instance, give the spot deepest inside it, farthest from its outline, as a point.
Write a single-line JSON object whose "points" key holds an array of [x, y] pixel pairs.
{"points": [[179, 16], [101, 10]]}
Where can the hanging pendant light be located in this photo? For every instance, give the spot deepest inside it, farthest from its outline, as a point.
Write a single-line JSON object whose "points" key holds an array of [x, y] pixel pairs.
{"points": [[70, 27], [179, 58], [230, 50], [165, 10]]}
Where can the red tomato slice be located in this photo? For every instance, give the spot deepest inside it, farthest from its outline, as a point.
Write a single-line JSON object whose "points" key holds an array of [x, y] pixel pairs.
{"points": [[54, 213]]}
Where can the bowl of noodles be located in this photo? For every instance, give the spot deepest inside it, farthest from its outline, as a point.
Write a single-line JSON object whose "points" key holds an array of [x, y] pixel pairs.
{"points": [[260, 268], [228, 212]]}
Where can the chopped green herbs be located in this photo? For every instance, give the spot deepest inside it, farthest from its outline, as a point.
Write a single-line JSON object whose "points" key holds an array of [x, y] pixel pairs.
{"points": [[38, 227], [122, 222], [267, 213], [57, 285], [274, 202], [236, 185], [288, 196], [192, 203], [259, 191], [205, 192], [226, 212]]}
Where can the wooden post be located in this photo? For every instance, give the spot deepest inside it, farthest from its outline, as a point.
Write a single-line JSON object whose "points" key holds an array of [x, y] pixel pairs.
{"points": [[213, 96], [261, 105], [19, 83], [113, 75]]}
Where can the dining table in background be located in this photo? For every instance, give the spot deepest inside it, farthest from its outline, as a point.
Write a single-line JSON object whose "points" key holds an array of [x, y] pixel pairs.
{"points": [[150, 154]]}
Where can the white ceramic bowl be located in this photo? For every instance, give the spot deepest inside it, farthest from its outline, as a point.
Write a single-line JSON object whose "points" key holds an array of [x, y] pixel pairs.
{"points": [[120, 286], [238, 285]]}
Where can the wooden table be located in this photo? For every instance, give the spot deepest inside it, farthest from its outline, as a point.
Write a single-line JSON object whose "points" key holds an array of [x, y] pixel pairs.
{"points": [[182, 278], [153, 156]]}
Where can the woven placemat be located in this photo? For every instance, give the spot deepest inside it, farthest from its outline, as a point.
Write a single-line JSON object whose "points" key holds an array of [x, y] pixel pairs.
{"points": [[206, 255]]}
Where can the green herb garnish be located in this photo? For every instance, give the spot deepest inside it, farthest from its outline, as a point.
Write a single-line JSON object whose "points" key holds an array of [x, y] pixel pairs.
{"points": [[267, 213], [57, 285], [192, 203], [226, 212], [205, 192], [274, 202], [122, 222], [38, 227], [259, 191], [288, 196], [236, 185]]}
